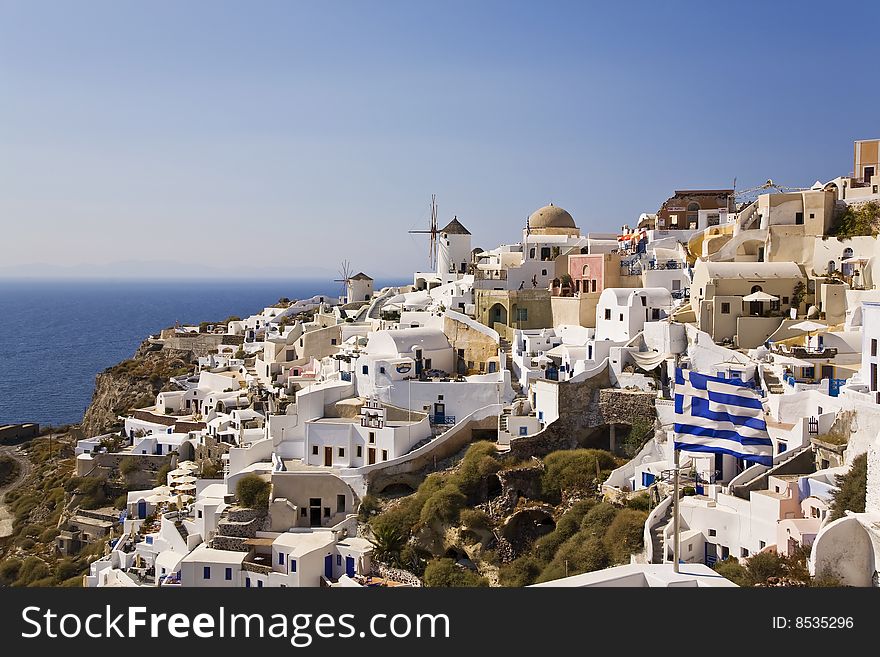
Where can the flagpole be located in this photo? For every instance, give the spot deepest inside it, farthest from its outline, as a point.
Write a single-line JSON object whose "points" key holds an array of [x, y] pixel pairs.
{"points": [[675, 517]]}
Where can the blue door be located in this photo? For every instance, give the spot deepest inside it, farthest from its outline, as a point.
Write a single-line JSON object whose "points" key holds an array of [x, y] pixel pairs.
{"points": [[328, 566], [647, 479], [439, 413], [349, 566], [142, 509]]}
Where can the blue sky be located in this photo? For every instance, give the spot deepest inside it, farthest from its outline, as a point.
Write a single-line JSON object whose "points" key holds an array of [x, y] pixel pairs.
{"points": [[305, 133]]}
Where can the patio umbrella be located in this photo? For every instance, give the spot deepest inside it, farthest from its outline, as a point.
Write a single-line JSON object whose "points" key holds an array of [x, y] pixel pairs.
{"points": [[184, 480], [808, 326], [760, 296], [179, 472], [186, 487], [855, 260]]}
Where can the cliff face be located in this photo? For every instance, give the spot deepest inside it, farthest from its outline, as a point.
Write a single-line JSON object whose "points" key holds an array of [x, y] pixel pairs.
{"points": [[133, 383]]}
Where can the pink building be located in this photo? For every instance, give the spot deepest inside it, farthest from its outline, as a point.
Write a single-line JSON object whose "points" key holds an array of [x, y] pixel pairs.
{"points": [[592, 273]]}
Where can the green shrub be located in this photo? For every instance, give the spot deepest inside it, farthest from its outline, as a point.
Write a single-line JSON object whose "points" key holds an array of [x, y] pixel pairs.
{"points": [[31, 570], [388, 543], [733, 570], [9, 469], [478, 463], [66, 568], [25, 543], [129, 465], [253, 492], [625, 535], [568, 525], [520, 572], [120, 502], [49, 535], [9, 570], [579, 554], [598, 519], [857, 220], [32, 531], [445, 572], [574, 469], [851, 487], [688, 490], [162, 475], [640, 502], [368, 507], [444, 505], [475, 519]]}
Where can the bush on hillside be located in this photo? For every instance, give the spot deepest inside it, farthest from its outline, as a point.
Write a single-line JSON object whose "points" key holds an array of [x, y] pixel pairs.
{"points": [[253, 492], [625, 535], [851, 487], [574, 469], [445, 572]]}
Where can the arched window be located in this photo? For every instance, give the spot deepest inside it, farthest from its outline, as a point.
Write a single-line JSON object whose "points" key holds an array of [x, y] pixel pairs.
{"points": [[693, 206], [756, 288], [586, 271], [847, 253], [832, 266]]}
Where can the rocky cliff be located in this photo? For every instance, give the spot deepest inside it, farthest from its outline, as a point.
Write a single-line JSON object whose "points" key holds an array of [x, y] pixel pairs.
{"points": [[133, 383]]}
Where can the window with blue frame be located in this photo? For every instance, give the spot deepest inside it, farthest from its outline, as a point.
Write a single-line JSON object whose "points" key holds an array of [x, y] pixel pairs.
{"points": [[809, 372], [366, 370], [280, 558], [247, 582], [523, 431], [293, 565], [338, 559], [206, 572], [259, 583], [229, 574]]}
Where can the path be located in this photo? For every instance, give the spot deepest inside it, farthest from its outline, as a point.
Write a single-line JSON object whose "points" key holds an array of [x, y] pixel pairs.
{"points": [[24, 470]]}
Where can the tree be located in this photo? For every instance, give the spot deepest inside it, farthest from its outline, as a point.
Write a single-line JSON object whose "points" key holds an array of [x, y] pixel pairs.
{"points": [[445, 572], [851, 488], [253, 492], [388, 542], [857, 220]]}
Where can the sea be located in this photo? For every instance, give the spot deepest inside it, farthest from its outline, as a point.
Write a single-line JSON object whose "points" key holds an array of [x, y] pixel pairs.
{"points": [[56, 335]]}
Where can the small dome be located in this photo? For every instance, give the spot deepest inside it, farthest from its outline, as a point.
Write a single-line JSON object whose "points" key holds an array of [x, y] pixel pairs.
{"points": [[551, 216]]}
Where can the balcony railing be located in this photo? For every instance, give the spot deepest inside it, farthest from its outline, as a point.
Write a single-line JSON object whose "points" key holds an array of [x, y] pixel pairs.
{"points": [[442, 419], [490, 275]]}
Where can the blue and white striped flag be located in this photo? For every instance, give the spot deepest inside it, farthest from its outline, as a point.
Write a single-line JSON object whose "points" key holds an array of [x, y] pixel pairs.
{"points": [[722, 416]]}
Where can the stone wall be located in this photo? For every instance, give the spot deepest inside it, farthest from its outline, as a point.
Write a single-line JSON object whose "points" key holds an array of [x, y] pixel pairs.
{"points": [[200, 344], [586, 408], [232, 543], [516, 483], [394, 574], [478, 347]]}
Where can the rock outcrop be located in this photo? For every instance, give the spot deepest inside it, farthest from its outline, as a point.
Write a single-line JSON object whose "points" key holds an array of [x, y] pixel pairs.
{"points": [[132, 383]]}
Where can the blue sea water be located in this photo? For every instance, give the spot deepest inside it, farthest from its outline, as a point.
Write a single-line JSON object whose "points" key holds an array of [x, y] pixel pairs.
{"points": [[55, 336]]}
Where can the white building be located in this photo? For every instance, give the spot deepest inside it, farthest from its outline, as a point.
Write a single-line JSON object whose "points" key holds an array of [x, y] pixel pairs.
{"points": [[622, 312]]}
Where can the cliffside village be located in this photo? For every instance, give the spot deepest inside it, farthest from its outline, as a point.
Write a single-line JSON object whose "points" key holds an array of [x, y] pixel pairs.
{"points": [[558, 339]]}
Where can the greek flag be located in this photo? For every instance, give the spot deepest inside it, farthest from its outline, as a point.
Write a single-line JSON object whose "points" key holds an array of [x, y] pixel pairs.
{"points": [[722, 416]]}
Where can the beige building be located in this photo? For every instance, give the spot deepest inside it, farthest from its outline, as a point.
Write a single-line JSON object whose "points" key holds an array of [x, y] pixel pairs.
{"points": [[309, 498], [475, 350], [717, 298], [523, 309], [866, 159]]}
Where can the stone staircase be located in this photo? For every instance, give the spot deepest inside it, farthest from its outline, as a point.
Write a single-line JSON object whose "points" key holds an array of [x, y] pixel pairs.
{"points": [[507, 348], [774, 385], [657, 535]]}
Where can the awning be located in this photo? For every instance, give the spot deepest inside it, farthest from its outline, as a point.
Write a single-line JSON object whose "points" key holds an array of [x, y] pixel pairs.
{"points": [[760, 296], [648, 360]]}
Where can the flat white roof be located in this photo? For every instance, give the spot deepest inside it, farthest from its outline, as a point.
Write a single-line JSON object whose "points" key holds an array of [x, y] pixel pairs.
{"points": [[206, 554], [303, 543], [647, 576]]}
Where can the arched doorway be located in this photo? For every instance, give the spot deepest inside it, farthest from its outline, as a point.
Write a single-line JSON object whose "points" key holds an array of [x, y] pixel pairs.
{"points": [[755, 306], [693, 215], [497, 314]]}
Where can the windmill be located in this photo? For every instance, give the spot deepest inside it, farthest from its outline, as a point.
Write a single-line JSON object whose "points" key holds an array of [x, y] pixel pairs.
{"points": [[345, 273], [433, 232]]}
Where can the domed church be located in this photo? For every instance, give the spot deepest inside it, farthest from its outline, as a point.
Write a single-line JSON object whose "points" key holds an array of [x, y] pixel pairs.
{"points": [[552, 220]]}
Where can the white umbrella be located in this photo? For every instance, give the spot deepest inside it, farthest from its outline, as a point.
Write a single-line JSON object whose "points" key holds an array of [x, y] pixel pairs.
{"points": [[808, 326], [186, 487], [760, 296], [183, 480], [179, 472], [855, 260]]}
